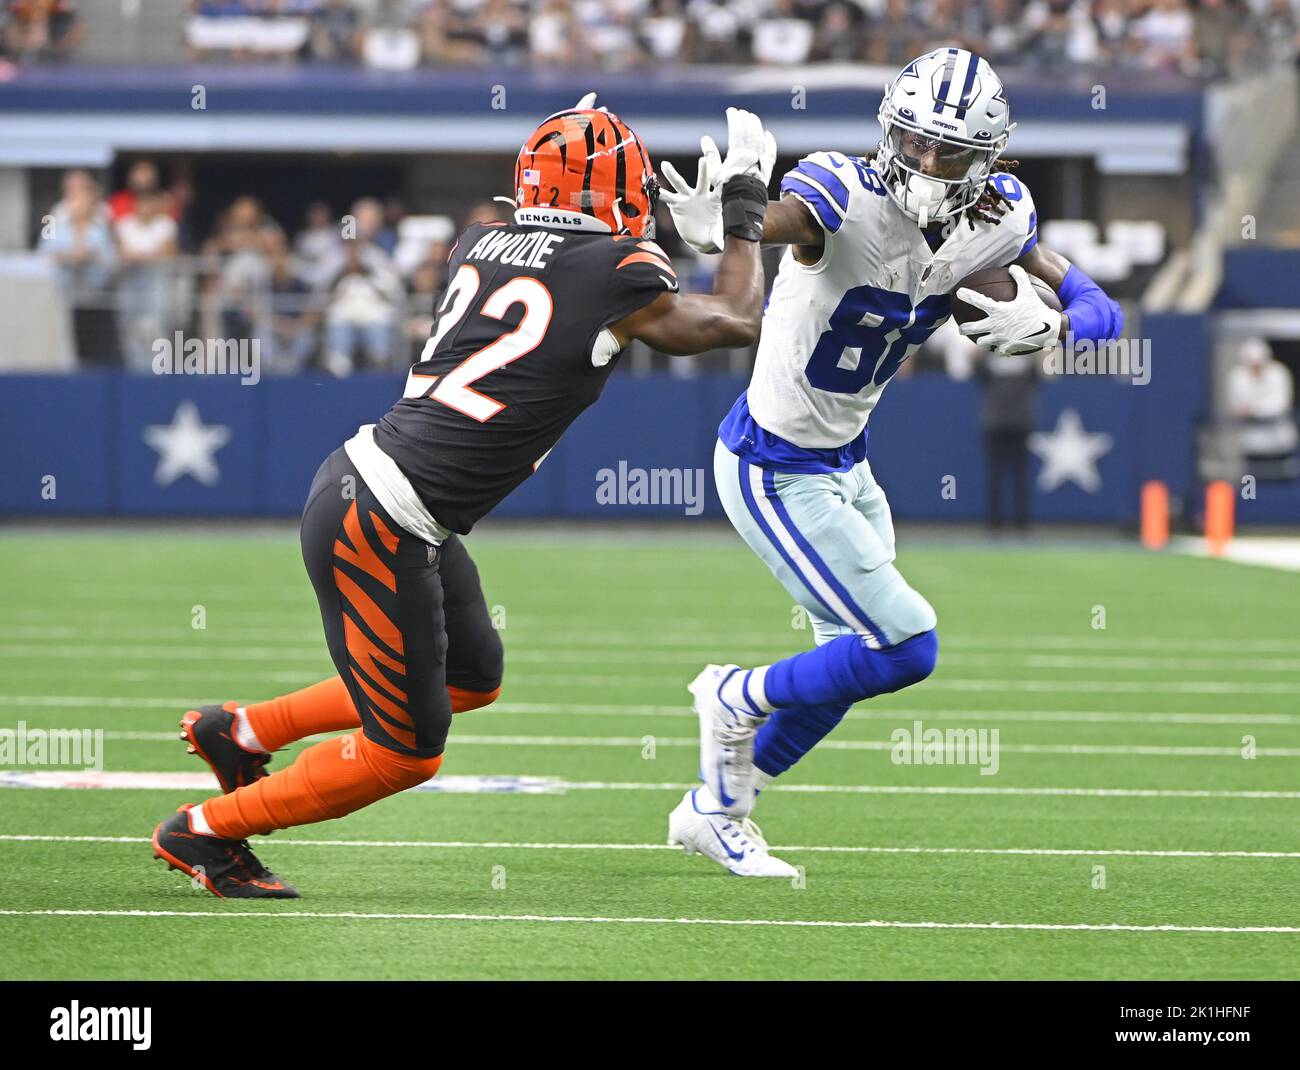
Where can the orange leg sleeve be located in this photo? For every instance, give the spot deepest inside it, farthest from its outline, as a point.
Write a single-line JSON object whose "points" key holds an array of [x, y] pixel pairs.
{"points": [[322, 707], [462, 700], [327, 707], [331, 779]]}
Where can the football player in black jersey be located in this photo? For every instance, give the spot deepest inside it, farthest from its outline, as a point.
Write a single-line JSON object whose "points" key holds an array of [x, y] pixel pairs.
{"points": [[534, 317]]}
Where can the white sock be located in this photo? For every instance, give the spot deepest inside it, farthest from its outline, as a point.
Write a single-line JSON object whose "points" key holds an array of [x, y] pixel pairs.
{"points": [[244, 734], [744, 691], [199, 823], [705, 802], [762, 779]]}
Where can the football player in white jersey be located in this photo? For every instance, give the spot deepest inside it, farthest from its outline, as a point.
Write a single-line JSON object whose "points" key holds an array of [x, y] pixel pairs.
{"points": [[876, 247]]}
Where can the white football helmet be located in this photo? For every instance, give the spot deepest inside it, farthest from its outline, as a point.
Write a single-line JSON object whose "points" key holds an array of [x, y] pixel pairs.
{"points": [[945, 120]]}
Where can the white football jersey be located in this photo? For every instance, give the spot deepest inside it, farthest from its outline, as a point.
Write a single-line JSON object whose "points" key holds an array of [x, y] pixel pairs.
{"points": [[836, 331]]}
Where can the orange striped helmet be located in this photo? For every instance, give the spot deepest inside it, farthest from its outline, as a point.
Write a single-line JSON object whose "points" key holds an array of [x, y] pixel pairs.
{"points": [[588, 164]]}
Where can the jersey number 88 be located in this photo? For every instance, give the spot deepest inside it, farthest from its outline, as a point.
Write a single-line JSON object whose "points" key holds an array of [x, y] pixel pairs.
{"points": [[883, 325]]}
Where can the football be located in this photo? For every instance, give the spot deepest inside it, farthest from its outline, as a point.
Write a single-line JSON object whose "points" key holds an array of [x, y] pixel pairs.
{"points": [[998, 284]]}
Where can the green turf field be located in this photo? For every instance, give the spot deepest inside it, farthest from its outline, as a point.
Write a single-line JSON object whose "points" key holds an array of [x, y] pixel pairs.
{"points": [[1121, 758]]}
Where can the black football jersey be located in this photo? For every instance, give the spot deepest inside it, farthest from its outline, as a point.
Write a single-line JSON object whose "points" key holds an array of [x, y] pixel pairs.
{"points": [[512, 360]]}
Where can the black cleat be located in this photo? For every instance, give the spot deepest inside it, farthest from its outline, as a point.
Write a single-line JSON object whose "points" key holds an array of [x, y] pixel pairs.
{"points": [[210, 732], [227, 868]]}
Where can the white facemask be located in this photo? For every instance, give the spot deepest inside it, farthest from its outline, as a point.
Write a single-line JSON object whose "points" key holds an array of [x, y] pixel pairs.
{"points": [[924, 197]]}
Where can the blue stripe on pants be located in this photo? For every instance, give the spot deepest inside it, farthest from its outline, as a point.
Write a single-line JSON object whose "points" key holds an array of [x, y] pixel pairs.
{"points": [[815, 559], [746, 492]]}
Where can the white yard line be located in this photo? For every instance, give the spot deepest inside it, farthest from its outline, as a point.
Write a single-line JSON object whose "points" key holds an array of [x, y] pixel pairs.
{"points": [[56, 779], [638, 742], [199, 650], [534, 634], [621, 681], [578, 919], [1065, 852], [98, 703]]}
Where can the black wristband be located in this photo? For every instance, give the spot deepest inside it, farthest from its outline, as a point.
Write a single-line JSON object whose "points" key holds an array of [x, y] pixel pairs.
{"points": [[744, 204]]}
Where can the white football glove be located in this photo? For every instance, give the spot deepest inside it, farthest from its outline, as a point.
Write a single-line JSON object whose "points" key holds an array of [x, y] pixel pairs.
{"points": [[751, 150], [697, 209], [587, 102], [1010, 328]]}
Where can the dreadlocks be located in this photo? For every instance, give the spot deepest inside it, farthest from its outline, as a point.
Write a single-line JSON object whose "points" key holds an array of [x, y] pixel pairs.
{"points": [[992, 201]]}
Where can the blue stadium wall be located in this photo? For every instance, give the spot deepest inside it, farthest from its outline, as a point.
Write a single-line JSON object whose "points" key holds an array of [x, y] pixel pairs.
{"points": [[88, 432]]}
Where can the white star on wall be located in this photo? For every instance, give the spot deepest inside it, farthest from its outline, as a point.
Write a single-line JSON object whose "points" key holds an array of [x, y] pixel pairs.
{"points": [[1069, 453], [187, 446]]}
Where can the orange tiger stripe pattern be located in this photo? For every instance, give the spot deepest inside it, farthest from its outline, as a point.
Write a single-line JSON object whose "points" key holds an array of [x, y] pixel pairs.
{"points": [[374, 663]]}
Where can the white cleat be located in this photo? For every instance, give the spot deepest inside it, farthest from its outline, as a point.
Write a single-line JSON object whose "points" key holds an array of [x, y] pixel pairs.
{"points": [[734, 843], [726, 742]]}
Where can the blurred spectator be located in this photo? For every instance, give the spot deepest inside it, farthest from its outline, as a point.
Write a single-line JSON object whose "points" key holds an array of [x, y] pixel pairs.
{"points": [[1279, 28], [489, 212], [718, 31], [1215, 36], [79, 240], [427, 282], [505, 32], [334, 31], [40, 29], [242, 247], [1113, 23], [318, 241], [146, 245], [449, 32], [141, 176], [1261, 397], [243, 228], [250, 29], [551, 34], [839, 33], [291, 342], [782, 37], [897, 34], [1196, 36], [607, 32], [1061, 33], [1000, 32], [388, 41], [1166, 34], [1010, 392], [370, 222], [77, 183], [364, 302]]}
